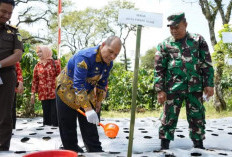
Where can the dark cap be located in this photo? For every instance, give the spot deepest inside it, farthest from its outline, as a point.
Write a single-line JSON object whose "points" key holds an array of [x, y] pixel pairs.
{"points": [[175, 19], [12, 2]]}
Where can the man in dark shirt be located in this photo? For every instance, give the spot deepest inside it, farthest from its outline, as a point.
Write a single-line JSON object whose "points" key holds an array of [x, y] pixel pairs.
{"points": [[11, 49]]}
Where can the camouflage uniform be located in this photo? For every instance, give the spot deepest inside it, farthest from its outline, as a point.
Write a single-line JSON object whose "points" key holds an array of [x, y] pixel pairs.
{"points": [[183, 68]]}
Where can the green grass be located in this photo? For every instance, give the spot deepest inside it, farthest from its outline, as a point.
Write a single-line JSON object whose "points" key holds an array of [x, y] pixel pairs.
{"points": [[211, 113]]}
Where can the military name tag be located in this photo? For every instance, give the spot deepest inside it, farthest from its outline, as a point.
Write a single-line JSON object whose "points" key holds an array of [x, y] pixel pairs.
{"points": [[19, 36]]}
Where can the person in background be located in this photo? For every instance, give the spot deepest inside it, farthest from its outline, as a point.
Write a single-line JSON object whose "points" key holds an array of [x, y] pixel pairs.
{"points": [[183, 71], [19, 89], [11, 49], [44, 78], [81, 85]]}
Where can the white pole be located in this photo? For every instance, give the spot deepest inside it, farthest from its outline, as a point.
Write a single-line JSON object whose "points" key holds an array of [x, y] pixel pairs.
{"points": [[59, 27]]}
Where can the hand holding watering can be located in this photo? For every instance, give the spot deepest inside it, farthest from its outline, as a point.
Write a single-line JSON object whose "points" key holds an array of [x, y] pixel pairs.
{"points": [[92, 117], [110, 129]]}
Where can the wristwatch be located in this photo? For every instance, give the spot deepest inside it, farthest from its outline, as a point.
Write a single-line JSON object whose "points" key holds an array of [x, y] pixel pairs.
{"points": [[0, 65]]}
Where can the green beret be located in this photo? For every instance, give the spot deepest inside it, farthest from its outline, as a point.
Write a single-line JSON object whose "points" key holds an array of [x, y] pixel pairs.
{"points": [[175, 19]]}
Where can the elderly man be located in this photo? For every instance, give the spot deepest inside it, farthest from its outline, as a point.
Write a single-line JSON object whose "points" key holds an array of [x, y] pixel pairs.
{"points": [[11, 48], [82, 85], [183, 71]]}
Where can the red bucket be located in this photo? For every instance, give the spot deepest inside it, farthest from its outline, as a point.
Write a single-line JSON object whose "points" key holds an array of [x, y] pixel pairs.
{"points": [[53, 153]]}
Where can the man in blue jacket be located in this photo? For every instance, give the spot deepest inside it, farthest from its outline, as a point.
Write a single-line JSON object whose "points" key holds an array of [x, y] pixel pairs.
{"points": [[81, 85]]}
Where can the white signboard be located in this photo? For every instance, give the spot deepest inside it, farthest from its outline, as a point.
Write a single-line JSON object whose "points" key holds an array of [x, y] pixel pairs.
{"points": [[128, 16], [227, 37], [229, 61]]}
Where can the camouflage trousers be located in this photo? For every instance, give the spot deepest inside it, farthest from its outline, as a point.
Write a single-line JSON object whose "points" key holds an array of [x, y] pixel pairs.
{"points": [[195, 115]]}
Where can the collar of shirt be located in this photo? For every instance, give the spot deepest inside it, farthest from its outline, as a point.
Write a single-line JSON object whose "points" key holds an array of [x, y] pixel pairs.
{"points": [[3, 26], [188, 36], [98, 55]]}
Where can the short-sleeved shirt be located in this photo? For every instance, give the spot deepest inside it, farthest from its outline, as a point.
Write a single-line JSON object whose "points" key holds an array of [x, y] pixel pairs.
{"points": [[10, 39]]}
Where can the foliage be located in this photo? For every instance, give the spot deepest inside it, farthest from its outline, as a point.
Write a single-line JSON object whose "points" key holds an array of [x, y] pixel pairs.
{"points": [[62, 59], [28, 62], [42, 13], [210, 9], [128, 62], [115, 28], [90, 27], [120, 89], [83, 29], [147, 61], [222, 52]]}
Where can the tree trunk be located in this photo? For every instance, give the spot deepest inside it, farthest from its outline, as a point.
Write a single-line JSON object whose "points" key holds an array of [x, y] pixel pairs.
{"points": [[219, 101], [125, 57], [212, 33], [210, 11]]}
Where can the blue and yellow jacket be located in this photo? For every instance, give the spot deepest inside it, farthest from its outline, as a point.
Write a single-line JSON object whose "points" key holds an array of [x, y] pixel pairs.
{"points": [[84, 79]]}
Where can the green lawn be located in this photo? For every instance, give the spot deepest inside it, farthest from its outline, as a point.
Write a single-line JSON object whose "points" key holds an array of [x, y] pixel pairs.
{"points": [[210, 113]]}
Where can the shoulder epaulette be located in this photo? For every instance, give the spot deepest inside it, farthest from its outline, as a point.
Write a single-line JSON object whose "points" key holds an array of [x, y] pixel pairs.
{"points": [[13, 26]]}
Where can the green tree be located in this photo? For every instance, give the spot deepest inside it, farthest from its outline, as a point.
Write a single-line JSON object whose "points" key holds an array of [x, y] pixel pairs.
{"points": [[147, 61], [90, 27], [210, 9], [128, 62], [83, 29], [223, 77], [39, 12], [113, 27], [29, 60], [120, 87]]}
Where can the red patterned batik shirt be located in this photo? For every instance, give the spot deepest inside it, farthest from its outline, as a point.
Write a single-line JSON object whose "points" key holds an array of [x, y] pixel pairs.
{"points": [[18, 70], [44, 78]]}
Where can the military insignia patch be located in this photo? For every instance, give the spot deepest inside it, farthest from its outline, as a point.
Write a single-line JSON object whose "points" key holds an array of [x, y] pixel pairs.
{"points": [[19, 36], [82, 65]]}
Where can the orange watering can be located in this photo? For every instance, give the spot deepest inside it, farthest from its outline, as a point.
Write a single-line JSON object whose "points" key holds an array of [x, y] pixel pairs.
{"points": [[110, 129]]}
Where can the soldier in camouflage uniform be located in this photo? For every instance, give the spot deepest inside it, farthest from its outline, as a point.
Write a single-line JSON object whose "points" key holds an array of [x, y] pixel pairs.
{"points": [[183, 71]]}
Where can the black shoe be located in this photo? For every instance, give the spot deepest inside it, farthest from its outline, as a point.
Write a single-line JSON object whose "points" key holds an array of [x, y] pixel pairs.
{"points": [[80, 150], [198, 144], [165, 144]]}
